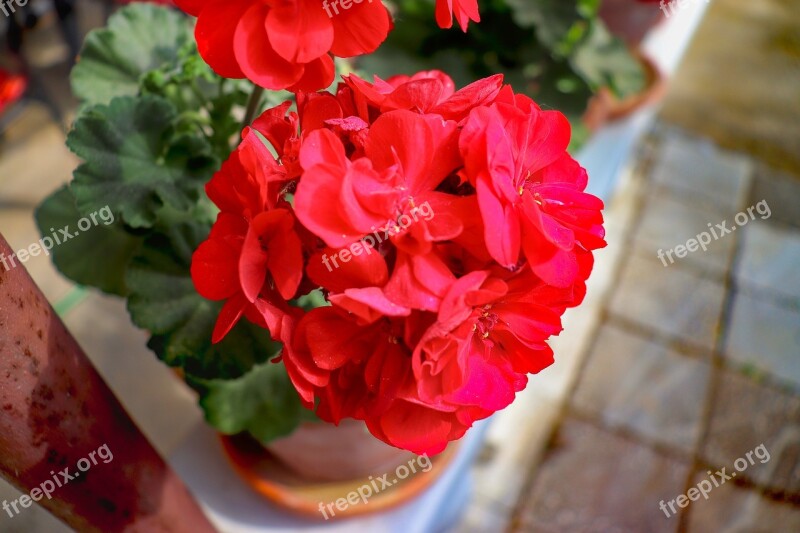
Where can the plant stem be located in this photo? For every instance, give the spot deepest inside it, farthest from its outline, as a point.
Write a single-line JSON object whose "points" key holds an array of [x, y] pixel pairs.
{"points": [[252, 105]]}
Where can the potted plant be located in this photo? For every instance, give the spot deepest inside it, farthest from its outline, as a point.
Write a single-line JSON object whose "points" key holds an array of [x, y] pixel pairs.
{"points": [[391, 252]]}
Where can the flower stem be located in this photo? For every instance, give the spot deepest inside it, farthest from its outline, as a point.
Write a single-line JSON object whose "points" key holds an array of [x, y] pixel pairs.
{"points": [[252, 105]]}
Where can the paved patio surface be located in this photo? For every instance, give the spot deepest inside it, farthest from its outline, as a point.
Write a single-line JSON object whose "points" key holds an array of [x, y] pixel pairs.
{"points": [[692, 366]]}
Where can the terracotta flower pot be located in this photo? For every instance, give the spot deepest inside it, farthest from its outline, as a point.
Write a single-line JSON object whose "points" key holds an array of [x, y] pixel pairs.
{"points": [[630, 20], [324, 452], [321, 463], [604, 107]]}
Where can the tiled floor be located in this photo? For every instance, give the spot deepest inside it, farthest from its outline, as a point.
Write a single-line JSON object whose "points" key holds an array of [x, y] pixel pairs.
{"points": [[695, 365]]}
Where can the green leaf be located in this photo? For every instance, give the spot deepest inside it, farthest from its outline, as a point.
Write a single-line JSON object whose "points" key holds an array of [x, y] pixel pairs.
{"points": [[163, 300], [240, 390], [552, 19], [139, 38], [134, 162], [262, 402], [98, 258], [604, 61]]}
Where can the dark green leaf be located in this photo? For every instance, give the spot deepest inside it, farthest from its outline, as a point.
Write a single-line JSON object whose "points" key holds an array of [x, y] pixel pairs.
{"points": [[134, 163], [139, 38], [604, 61], [163, 301], [262, 402], [552, 19], [97, 257]]}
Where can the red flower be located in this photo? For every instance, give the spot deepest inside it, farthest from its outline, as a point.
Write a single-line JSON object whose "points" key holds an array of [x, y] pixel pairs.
{"points": [[448, 230], [515, 156], [464, 11], [430, 92], [364, 372], [284, 44], [253, 257], [12, 87]]}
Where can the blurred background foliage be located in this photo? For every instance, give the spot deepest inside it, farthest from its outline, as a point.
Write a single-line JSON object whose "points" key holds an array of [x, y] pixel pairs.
{"points": [[558, 52]]}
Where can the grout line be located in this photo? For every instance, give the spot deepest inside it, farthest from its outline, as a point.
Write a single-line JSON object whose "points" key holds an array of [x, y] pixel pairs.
{"points": [[717, 367]]}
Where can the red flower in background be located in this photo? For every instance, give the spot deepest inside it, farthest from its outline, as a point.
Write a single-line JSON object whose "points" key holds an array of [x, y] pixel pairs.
{"points": [[12, 87], [463, 10], [448, 230], [287, 44]]}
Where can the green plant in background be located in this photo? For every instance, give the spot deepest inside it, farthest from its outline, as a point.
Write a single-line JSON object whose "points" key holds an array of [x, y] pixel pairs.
{"points": [[557, 51]]}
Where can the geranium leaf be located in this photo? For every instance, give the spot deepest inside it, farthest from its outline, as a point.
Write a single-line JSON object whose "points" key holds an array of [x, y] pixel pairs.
{"points": [[135, 163], [262, 402], [97, 258], [139, 38], [163, 300], [551, 18], [604, 61]]}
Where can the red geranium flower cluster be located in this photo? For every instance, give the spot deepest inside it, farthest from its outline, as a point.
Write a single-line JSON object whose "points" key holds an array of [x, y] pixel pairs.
{"points": [[449, 231], [287, 44]]}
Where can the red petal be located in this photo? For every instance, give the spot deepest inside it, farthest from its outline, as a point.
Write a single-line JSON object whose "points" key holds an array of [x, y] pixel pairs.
{"points": [[501, 226], [255, 55], [360, 29], [318, 74], [367, 269], [216, 26], [228, 317], [299, 31], [252, 265], [214, 263]]}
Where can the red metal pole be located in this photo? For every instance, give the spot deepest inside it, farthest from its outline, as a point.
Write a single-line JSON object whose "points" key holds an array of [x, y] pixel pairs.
{"points": [[58, 417]]}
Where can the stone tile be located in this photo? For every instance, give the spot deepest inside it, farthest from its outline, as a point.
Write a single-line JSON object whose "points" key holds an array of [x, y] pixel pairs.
{"points": [[634, 383], [481, 516], [781, 191], [747, 414], [161, 404], [515, 440], [736, 509], [701, 173], [570, 348], [668, 221], [593, 481], [766, 336], [670, 300], [770, 258]]}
